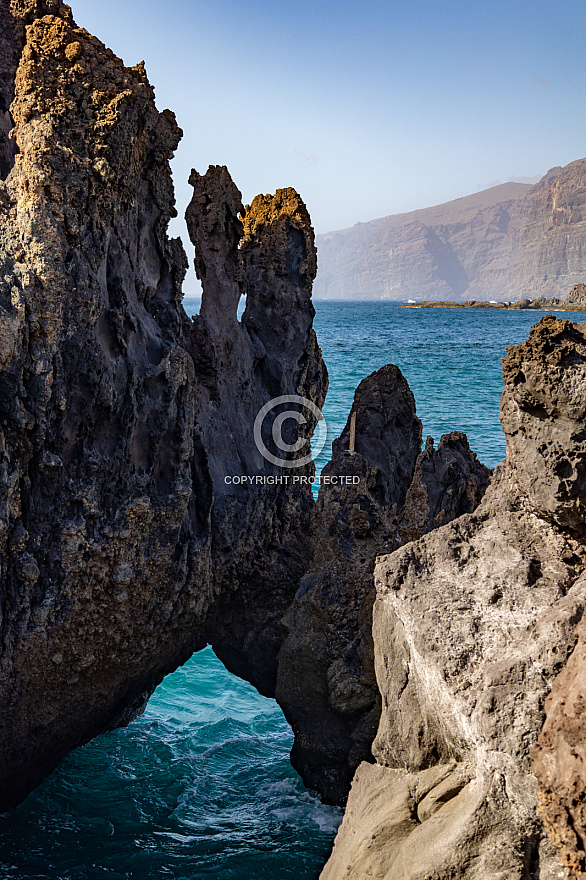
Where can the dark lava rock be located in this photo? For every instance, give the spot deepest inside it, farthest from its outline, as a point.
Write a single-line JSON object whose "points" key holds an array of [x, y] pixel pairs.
{"points": [[448, 482], [326, 682], [260, 533], [119, 417]]}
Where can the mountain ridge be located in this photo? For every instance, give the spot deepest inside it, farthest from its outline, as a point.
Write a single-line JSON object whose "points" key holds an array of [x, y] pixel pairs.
{"points": [[514, 188], [507, 242]]}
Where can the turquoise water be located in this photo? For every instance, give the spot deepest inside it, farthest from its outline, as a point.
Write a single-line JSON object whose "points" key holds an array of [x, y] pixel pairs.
{"points": [[450, 357], [201, 785]]}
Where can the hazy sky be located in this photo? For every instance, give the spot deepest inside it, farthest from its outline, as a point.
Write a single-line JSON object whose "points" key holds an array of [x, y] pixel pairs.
{"points": [[366, 109]]}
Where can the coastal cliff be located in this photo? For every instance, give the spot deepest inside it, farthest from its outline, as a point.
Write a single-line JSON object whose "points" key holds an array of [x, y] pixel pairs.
{"points": [[505, 243]]}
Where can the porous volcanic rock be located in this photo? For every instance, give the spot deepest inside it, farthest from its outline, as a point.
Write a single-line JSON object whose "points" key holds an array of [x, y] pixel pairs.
{"points": [[472, 623], [140, 520], [93, 502], [545, 393], [116, 411], [576, 296], [326, 683], [447, 482], [260, 531], [559, 761]]}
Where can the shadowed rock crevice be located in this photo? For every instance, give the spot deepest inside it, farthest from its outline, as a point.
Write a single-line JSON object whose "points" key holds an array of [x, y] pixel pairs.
{"points": [[326, 682], [11, 45]]}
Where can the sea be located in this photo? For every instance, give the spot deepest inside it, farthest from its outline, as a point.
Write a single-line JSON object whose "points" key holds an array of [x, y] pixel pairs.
{"points": [[200, 786]]}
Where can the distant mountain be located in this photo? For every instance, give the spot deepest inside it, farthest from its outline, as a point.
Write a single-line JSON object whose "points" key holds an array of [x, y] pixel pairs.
{"points": [[506, 243]]}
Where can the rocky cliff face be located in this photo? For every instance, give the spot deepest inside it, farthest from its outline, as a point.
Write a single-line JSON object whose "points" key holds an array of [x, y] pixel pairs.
{"points": [[507, 243], [260, 532], [549, 247], [93, 503], [472, 624], [326, 684], [118, 415], [558, 756]]}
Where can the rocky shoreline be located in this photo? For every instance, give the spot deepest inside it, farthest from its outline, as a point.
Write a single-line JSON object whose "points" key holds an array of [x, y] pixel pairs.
{"points": [[417, 624], [574, 302]]}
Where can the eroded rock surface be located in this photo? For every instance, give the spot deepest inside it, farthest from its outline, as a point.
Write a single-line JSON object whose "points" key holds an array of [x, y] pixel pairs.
{"points": [[472, 624], [94, 504], [576, 296], [559, 761], [326, 684], [117, 413], [260, 532], [448, 482], [545, 394], [139, 519]]}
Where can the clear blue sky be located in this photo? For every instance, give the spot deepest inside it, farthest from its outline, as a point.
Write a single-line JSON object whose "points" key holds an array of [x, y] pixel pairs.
{"points": [[366, 109]]}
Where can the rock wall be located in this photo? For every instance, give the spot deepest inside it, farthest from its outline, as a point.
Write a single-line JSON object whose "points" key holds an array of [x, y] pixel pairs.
{"points": [[260, 533], [559, 759], [92, 503], [472, 624]]}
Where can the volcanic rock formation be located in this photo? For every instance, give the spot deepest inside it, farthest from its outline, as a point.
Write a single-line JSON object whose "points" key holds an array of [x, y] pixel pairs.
{"points": [[260, 533], [472, 624], [139, 519], [326, 684], [119, 418], [559, 759], [575, 301], [576, 296]]}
